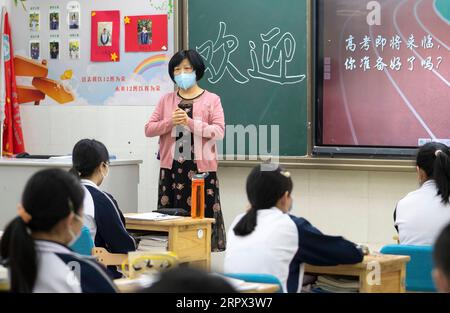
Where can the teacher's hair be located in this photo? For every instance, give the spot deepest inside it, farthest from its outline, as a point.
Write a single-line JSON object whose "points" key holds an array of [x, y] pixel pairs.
{"points": [[434, 159], [266, 184], [193, 57], [87, 155], [49, 196]]}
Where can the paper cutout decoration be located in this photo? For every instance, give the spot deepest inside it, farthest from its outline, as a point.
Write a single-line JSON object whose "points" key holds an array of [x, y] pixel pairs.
{"points": [[105, 34], [145, 33], [66, 75]]}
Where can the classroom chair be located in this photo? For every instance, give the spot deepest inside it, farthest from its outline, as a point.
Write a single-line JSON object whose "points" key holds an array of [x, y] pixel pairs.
{"points": [[84, 243], [108, 259], [418, 269], [153, 261], [257, 278]]}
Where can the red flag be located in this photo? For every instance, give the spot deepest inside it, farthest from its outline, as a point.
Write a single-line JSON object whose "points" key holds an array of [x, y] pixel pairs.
{"points": [[12, 128]]}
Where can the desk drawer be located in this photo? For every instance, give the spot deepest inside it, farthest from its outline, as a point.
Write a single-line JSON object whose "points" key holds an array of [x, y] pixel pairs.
{"points": [[190, 243]]}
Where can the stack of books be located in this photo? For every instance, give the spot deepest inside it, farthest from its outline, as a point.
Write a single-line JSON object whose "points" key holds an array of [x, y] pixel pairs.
{"points": [[336, 284], [154, 243]]}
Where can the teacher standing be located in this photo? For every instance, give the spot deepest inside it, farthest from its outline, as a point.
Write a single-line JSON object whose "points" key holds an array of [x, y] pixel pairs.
{"points": [[188, 123]]}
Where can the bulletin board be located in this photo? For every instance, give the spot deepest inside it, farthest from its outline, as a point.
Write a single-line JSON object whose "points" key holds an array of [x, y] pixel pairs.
{"points": [[107, 53]]}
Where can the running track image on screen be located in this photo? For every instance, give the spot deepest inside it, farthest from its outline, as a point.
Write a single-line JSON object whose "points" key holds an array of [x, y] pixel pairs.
{"points": [[383, 72]]}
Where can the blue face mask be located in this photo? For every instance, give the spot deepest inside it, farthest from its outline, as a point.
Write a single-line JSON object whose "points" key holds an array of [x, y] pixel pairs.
{"points": [[186, 80]]}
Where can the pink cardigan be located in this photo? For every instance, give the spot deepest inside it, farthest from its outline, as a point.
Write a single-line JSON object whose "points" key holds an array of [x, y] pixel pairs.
{"points": [[207, 125]]}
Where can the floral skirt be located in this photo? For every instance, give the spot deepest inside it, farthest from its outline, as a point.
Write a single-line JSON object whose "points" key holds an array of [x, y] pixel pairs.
{"points": [[175, 192]]}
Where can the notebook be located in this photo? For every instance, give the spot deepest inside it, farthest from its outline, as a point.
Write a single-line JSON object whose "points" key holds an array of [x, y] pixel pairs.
{"points": [[152, 216]]}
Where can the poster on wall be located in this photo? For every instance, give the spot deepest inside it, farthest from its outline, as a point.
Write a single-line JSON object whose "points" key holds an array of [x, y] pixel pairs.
{"points": [[105, 35], [73, 15], [66, 33], [35, 49], [54, 18], [145, 33], [74, 49], [54, 50], [34, 19]]}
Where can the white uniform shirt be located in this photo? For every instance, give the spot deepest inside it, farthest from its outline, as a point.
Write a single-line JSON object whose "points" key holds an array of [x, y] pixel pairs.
{"points": [[89, 207], [53, 274], [269, 249], [421, 215], [280, 244]]}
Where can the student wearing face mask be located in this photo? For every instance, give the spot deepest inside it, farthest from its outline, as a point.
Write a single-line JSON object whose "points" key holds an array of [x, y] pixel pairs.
{"points": [[188, 123], [106, 222], [422, 214], [34, 246], [268, 240]]}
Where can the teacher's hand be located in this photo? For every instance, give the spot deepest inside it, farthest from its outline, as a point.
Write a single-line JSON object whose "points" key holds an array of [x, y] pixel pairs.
{"points": [[179, 117]]}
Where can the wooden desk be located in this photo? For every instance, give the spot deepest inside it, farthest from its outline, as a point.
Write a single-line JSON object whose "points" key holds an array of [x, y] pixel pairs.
{"points": [[392, 272], [189, 239], [262, 288]]}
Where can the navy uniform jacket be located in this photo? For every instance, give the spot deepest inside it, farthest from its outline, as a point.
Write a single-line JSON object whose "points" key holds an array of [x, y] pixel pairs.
{"points": [[110, 232], [281, 244], [63, 271]]}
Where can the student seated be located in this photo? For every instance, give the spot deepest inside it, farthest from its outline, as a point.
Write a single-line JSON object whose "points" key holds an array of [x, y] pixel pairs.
{"points": [[441, 254], [268, 240], [422, 214], [184, 279], [34, 246], [90, 160]]}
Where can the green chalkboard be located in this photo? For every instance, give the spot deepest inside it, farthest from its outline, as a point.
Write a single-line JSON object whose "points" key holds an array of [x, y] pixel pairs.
{"points": [[256, 57]]}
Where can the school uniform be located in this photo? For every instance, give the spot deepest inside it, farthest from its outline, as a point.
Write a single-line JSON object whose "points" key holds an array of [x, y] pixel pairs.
{"points": [[280, 244], [421, 216], [63, 271], [106, 222]]}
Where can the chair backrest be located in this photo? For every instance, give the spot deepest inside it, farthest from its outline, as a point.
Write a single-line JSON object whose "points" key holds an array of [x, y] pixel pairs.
{"points": [[106, 258], [84, 243], [257, 278], [418, 269]]}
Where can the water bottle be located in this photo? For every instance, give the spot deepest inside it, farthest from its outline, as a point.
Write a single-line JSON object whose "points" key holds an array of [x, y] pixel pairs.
{"points": [[198, 196]]}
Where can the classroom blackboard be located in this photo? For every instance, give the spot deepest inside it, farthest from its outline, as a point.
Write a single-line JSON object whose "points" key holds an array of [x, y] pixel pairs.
{"points": [[256, 57]]}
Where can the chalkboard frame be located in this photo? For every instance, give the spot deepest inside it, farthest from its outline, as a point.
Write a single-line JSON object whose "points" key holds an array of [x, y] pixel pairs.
{"points": [[242, 159]]}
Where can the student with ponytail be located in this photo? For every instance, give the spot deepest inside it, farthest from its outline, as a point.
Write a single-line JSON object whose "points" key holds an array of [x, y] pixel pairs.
{"points": [[90, 162], [268, 240], [422, 214], [34, 246]]}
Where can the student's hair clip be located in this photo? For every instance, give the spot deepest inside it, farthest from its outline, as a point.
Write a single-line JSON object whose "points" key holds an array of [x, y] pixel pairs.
{"points": [[285, 174], [436, 153]]}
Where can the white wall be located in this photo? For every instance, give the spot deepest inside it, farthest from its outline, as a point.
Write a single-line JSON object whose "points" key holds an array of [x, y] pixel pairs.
{"points": [[356, 204], [56, 129], [7, 3]]}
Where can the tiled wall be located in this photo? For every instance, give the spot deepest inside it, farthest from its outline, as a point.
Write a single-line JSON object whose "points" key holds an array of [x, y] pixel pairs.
{"points": [[356, 204]]}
